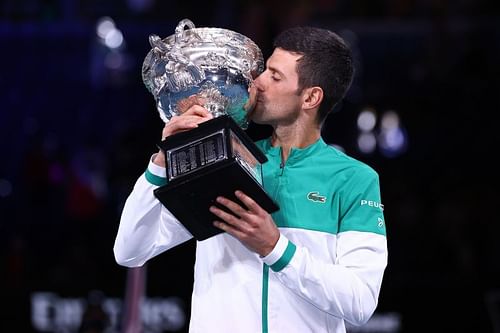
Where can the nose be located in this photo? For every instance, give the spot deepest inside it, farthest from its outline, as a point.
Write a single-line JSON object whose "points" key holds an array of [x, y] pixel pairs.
{"points": [[258, 82]]}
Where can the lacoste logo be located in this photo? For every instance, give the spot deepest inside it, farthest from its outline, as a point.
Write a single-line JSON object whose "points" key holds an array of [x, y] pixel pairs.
{"points": [[314, 196]]}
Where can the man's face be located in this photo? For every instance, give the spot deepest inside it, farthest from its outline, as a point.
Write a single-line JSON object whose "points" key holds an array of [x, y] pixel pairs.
{"points": [[278, 101]]}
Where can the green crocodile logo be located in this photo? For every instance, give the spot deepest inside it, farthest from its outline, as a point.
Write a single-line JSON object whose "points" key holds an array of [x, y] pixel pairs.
{"points": [[314, 196]]}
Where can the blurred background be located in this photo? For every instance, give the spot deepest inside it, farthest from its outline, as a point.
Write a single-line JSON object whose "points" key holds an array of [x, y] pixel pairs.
{"points": [[77, 127]]}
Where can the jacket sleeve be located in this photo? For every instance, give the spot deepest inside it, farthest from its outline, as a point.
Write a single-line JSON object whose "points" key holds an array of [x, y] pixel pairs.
{"points": [[146, 227], [348, 285]]}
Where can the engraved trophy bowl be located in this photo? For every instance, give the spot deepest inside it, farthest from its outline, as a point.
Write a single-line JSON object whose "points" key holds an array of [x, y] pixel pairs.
{"points": [[216, 66], [213, 63]]}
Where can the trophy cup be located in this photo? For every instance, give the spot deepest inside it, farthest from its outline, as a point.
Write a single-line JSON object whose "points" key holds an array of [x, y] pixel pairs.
{"points": [[217, 67]]}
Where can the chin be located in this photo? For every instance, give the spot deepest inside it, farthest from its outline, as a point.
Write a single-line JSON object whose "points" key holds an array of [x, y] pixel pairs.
{"points": [[256, 115]]}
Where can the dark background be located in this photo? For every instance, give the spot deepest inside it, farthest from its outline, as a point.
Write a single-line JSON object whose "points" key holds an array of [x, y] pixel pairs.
{"points": [[75, 135]]}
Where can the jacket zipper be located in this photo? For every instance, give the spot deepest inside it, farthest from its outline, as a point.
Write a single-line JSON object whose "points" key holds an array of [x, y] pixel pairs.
{"points": [[282, 163]]}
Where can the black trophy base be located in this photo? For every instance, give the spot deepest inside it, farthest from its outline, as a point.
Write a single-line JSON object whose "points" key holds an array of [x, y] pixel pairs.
{"points": [[190, 200]]}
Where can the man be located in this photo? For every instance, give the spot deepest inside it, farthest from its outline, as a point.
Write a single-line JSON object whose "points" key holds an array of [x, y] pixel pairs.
{"points": [[316, 263]]}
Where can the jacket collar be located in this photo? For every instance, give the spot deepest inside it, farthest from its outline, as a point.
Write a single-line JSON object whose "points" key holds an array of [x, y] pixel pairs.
{"points": [[295, 153]]}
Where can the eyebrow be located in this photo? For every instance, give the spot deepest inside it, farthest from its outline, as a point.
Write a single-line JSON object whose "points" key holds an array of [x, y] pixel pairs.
{"points": [[274, 69]]}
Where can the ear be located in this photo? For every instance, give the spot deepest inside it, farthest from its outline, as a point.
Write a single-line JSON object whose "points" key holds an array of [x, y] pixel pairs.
{"points": [[312, 98]]}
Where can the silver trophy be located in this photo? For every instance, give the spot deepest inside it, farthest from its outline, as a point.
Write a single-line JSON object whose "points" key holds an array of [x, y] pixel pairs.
{"points": [[214, 67], [215, 64]]}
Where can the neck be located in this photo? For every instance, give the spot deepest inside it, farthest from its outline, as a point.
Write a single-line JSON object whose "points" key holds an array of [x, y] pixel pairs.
{"points": [[295, 135]]}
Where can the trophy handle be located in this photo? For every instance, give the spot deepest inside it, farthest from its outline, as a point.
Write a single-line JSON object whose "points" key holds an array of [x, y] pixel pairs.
{"points": [[179, 30]]}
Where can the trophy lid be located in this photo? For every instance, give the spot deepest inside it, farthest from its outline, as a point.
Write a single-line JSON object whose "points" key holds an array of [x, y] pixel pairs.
{"points": [[199, 58]]}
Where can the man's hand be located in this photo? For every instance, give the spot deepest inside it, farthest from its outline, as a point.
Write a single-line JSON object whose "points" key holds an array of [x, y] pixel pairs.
{"points": [[252, 225], [189, 119]]}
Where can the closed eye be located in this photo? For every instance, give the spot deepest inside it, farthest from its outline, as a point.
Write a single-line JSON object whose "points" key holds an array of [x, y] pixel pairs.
{"points": [[275, 76]]}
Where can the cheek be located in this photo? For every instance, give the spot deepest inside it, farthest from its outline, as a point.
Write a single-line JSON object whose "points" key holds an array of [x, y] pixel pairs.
{"points": [[285, 101]]}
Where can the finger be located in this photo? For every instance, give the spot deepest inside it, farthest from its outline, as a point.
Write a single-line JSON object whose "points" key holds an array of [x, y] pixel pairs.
{"points": [[232, 206], [199, 99], [229, 229], [249, 202], [198, 110], [179, 124], [184, 104], [225, 216], [187, 121]]}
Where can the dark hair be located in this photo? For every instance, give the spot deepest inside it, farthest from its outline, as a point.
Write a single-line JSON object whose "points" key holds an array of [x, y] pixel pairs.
{"points": [[326, 62]]}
